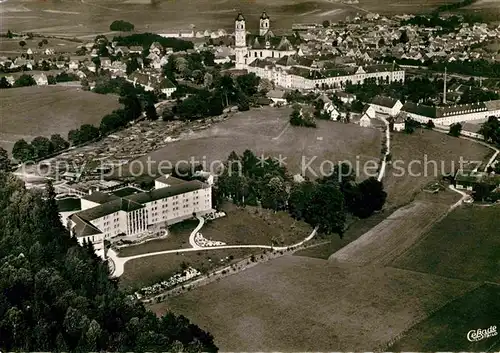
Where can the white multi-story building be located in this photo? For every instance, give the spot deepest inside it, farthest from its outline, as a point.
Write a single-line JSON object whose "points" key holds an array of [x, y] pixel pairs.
{"points": [[447, 115], [105, 216], [299, 77]]}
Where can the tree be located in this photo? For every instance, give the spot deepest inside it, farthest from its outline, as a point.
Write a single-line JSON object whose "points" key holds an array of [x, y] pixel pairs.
{"points": [[4, 83], [51, 80], [151, 113], [430, 124], [410, 125], [23, 151], [58, 142], [25, 80], [404, 37], [455, 129], [4, 160], [326, 209], [248, 83], [481, 191], [301, 196], [326, 24], [132, 65], [88, 133], [368, 198], [120, 25], [22, 44], [42, 147], [491, 130], [274, 194]]}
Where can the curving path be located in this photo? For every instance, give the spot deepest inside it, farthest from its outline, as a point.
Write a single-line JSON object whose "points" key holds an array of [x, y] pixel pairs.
{"points": [[459, 202], [192, 242], [119, 262], [388, 148]]}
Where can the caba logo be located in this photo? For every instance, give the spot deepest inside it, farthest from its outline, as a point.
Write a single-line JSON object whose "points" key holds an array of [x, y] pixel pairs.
{"points": [[479, 334]]}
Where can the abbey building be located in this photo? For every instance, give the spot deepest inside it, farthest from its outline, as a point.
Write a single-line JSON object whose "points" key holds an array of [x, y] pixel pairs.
{"points": [[281, 60]]}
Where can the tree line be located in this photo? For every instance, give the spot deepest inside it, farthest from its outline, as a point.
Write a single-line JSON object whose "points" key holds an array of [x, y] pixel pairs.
{"points": [[57, 296], [39, 148], [323, 203]]}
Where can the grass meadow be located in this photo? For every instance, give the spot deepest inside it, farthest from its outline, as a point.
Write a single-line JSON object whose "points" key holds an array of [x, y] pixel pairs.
{"points": [[464, 245], [33, 111], [295, 303]]}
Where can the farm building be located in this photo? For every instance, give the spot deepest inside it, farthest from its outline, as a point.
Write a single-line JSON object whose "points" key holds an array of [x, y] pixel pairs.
{"points": [[397, 123], [386, 105], [366, 116], [447, 115], [277, 96]]}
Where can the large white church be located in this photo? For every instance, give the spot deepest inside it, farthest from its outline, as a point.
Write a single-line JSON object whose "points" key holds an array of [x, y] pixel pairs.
{"points": [[280, 60], [261, 46]]}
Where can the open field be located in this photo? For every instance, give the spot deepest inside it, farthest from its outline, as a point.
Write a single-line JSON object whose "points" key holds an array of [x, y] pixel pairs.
{"points": [[11, 46], [464, 245], [398, 232], [446, 330], [294, 303], [254, 226], [422, 157], [267, 131], [178, 238], [85, 18], [28, 112], [149, 270]]}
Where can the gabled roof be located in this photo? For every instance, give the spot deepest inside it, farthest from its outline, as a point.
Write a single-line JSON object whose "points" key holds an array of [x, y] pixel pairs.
{"points": [[264, 16], [276, 94], [83, 228], [166, 83], [384, 101], [419, 109]]}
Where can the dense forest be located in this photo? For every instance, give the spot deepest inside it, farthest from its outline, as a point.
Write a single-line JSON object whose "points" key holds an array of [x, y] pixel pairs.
{"points": [[56, 296]]}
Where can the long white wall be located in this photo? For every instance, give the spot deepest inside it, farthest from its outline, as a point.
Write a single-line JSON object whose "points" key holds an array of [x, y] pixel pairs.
{"points": [[283, 79], [452, 119]]}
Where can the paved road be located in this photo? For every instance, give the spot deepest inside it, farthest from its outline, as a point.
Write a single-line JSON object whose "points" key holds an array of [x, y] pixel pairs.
{"points": [[119, 262]]}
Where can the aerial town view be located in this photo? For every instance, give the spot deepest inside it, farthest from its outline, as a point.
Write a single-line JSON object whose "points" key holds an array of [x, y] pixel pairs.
{"points": [[250, 176]]}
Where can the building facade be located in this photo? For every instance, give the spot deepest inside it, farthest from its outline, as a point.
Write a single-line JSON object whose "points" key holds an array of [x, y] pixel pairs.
{"points": [[105, 216], [447, 115]]}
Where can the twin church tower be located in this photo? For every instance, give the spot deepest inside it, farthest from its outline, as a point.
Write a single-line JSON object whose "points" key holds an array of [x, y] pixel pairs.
{"points": [[240, 34]]}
